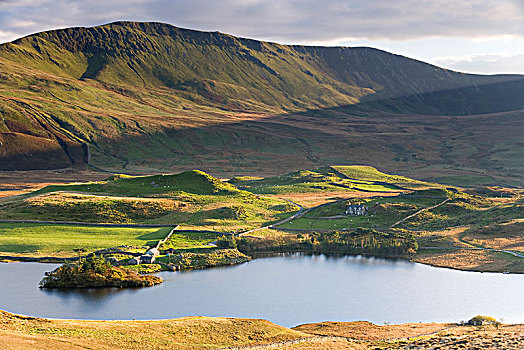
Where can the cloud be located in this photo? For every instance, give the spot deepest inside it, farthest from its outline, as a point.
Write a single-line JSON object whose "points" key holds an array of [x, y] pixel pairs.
{"points": [[313, 20], [490, 64], [286, 21], [283, 20], [7, 36]]}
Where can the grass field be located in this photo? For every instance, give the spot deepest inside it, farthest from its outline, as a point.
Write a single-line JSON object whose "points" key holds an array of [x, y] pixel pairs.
{"points": [[61, 240], [368, 173], [189, 240], [384, 212], [194, 182], [320, 180], [467, 211], [306, 223]]}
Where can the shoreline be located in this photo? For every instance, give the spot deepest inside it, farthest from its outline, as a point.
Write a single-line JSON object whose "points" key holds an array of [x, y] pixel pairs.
{"points": [[256, 255], [232, 317], [200, 332]]}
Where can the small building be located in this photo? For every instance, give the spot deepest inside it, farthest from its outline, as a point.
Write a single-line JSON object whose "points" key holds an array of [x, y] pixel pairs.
{"points": [[153, 252], [356, 209], [147, 259], [477, 322], [483, 320], [134, 261], [170, 250]]}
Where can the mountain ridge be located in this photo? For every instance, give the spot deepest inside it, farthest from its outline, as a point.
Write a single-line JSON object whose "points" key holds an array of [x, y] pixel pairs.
{"points": [[151, 96], [350, 73]]}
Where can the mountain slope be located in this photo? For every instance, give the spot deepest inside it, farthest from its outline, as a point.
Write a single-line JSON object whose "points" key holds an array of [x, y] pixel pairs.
{"points": [[150, 96], [156, 54]]}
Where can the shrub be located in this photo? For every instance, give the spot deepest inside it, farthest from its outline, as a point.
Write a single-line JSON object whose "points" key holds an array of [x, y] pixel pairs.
{"points": [[483, 320], [226, 242]]}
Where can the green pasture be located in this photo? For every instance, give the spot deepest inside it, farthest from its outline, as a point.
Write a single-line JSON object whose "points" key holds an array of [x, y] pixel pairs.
{"points": [[189, 240], [43, 239], [309, 181], [192, 182], [368, 173]]}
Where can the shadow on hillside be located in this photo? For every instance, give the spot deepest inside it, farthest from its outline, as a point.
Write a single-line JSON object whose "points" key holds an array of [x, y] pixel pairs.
{"points": [[270, 146], [470, 100], [367, 133]]}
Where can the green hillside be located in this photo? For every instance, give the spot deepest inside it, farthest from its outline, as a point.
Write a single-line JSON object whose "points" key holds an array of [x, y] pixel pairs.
{"points": [[231, 71], [192, 199], [192, 182], [144, 97], [329, 179]]}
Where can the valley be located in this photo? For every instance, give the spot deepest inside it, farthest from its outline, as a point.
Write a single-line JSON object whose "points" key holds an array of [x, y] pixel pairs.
{"points": [[476, 229], [269, 186], [100, 98], [198, 221]]}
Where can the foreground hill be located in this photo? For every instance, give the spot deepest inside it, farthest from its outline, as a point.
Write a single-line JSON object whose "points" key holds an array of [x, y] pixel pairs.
{"points": [[184, 333], [150, 96], [23, 332]]}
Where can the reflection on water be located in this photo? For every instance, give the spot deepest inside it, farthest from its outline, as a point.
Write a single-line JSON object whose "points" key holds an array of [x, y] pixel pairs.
{"points": [[94, 294], [288, 290]]}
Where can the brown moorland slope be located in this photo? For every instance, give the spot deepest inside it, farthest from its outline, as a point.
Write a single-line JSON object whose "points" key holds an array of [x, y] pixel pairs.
{"points": [[22, 332], [411, 336]]}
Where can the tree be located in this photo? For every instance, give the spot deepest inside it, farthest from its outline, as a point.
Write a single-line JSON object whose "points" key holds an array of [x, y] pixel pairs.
{"points": [[225, 242], [480, 320]]}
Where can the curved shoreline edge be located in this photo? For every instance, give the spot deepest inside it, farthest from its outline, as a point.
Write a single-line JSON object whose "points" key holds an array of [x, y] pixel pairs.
{"points": [[259, 255]]}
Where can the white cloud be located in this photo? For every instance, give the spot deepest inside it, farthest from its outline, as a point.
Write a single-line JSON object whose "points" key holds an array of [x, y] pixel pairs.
{"points": [[285, 20], [315, 20], [400, 23], [7, 36], [487, 64], [22, 24]]}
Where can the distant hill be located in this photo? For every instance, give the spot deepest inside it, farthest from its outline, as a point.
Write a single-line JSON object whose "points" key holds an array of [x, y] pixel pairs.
{"points": [[151, 96]]}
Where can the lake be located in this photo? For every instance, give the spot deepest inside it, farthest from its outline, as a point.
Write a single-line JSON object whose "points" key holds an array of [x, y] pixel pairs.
{"points": [[287, 290]]}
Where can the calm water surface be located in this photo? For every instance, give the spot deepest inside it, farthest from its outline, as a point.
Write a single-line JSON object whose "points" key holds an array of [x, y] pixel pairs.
{"points": [[287, 290]]}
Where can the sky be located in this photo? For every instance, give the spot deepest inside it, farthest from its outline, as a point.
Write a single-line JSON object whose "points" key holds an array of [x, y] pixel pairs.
{"points": [[474, 36]]}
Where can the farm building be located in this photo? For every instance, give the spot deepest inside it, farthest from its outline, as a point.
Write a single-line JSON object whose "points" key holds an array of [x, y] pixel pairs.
{"points": [[147, 259], [153, 252], [356, 209]]}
